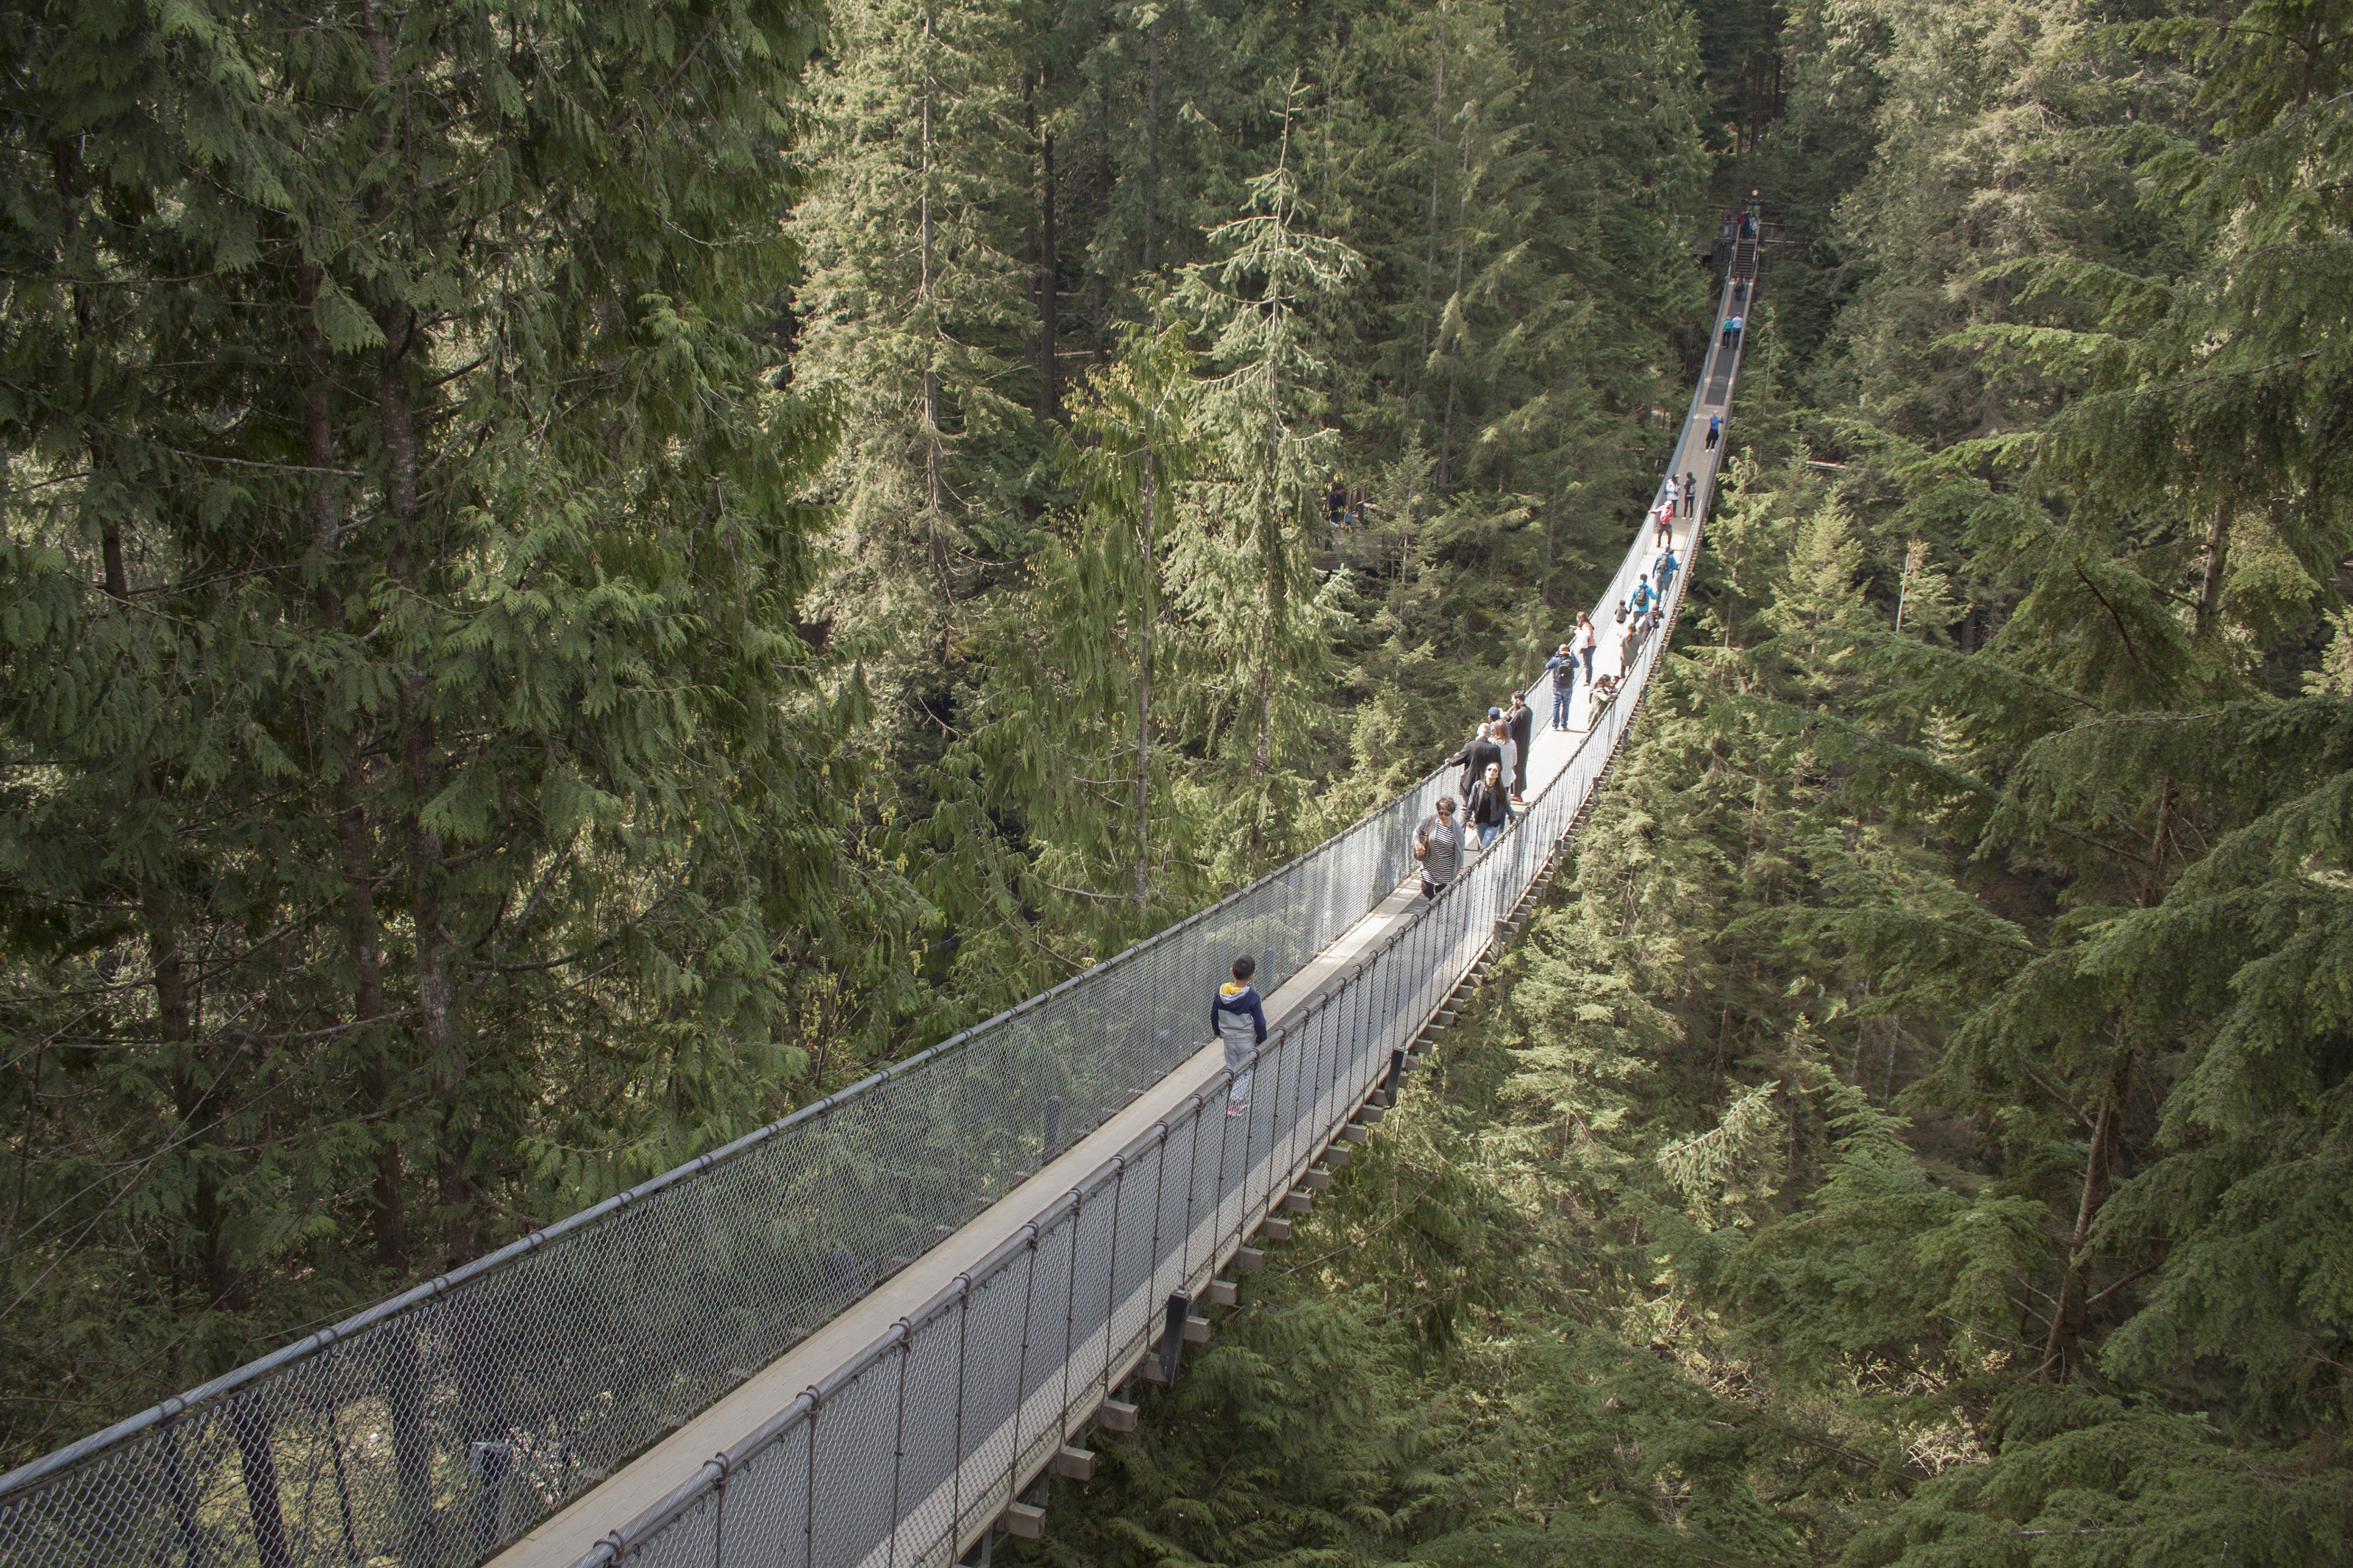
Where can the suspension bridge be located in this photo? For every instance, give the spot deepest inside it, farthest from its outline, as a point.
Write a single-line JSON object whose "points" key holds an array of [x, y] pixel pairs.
{"points": [[867, 1335]]}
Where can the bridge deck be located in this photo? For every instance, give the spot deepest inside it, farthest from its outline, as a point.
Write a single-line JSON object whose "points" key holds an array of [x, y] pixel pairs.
{"points": [[655, 1474], [562, 1540]]}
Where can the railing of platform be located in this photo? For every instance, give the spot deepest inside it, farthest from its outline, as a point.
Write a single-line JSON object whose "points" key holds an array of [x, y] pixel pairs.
{"points": [[436, 1426]]}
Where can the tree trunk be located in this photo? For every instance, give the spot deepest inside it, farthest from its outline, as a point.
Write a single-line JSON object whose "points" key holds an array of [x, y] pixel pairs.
{"points": [[64, 167], [1048, 282], [1278, 585], [934, 443], [1461, 245], [386, 1199], [436, 985], [1102, 209], [176, 1009], [387, 1196], [1148, 555], [1151, 147], [2067, 1316], [924, 306], [2161, 843], [1437, 172], [2218, 554]]}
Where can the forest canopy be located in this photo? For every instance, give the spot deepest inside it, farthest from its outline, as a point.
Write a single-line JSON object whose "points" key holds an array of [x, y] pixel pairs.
{"points": [[575, 578]]}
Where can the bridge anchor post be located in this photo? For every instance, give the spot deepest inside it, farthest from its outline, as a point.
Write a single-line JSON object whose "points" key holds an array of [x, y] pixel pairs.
{"points": [[1173, 1335]]}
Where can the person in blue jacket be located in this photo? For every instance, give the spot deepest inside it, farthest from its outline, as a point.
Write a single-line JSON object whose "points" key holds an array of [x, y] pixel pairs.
{"points": [[1239, 1020]]}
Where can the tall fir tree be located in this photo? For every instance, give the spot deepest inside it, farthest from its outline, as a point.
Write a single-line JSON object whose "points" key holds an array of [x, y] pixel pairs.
{"points": [[416, 777]]}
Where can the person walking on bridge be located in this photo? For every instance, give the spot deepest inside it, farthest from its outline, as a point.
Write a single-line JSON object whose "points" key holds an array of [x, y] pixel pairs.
{"points": [[1475, 756], [1438, 844], [1662, 518], [1588, 636], [1562, 668], [1664, 570], [1512, 759], [1501, 733], [1691, 496], [1715, 430], [1486, 809], [1522, 722], [1239, 1020]]}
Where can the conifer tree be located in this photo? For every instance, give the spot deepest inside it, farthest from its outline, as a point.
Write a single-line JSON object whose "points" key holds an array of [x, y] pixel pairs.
{"points": [[1244, 563], [413, 766], [1075, 734], [913, 306]]}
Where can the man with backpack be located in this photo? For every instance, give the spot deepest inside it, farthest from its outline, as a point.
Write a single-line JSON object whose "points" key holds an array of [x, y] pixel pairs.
{"points": [[1438, 844], [1562, 668], [1664, 570], [1239, 1020]]}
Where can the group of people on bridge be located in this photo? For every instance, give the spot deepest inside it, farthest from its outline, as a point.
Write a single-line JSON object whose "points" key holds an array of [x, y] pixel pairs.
{"points": [[1493, 780], [1495, 760]]}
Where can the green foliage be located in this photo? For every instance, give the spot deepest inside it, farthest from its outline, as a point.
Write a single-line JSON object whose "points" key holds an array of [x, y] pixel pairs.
{"points": [[1918, 1134], [516, 664], [421, 816]]}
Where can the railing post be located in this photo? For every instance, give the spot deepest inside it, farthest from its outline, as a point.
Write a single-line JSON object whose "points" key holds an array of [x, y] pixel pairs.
{"points": [[1172, 1334]]}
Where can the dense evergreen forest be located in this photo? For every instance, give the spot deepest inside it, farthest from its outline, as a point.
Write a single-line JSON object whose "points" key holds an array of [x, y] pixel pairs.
{"points": [[575, 578]]}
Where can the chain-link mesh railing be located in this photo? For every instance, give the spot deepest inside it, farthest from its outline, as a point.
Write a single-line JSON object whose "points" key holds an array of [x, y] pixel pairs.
{"points": [[437, 1426], [916, 1447]]}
